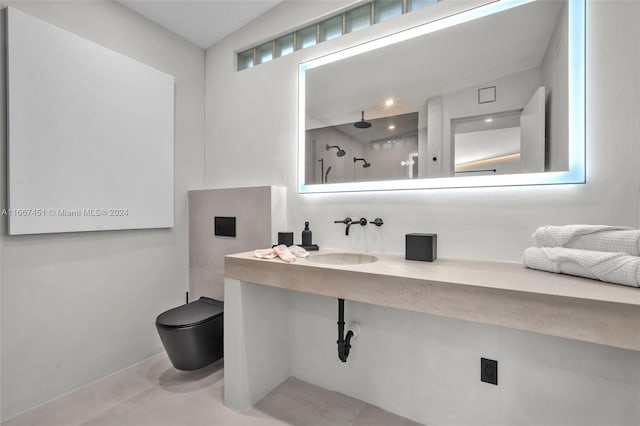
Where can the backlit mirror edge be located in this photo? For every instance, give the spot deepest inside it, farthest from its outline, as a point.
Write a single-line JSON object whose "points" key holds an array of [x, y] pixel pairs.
{"points": [[577, 122]]}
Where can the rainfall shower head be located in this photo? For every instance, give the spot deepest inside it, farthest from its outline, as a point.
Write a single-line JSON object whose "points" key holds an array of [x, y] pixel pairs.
{"points": [[340, 153], [362, 124], [365, 164]]}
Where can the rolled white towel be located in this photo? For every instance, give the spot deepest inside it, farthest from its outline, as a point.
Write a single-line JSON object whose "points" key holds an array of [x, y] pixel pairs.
{"points": [[617, 268], [615, 239]]}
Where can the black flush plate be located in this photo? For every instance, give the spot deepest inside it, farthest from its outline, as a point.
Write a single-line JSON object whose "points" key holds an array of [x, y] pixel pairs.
{"points": [[489, 371], [224, 226]]}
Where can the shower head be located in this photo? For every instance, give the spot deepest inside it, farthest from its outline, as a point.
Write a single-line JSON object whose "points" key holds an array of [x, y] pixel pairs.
{"points": [[362, 124], [340, 153], [365, 163]]}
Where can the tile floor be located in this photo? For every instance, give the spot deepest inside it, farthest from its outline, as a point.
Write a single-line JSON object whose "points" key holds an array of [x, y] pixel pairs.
{"points": [[153, 393]]}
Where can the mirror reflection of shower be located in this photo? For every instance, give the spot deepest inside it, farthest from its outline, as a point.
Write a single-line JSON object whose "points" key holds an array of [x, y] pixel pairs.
{"points": [[323, 174], [386, 143], [326, 174], [362, 124], [365, 163], [321, 161], [339, 153]]}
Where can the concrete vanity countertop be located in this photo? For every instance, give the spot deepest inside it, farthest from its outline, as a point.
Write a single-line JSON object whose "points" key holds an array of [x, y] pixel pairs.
{"points": [[496, 293]]}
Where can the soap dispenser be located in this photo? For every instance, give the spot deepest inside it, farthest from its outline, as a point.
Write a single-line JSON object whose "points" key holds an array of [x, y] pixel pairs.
{"points": [[306, 235]]}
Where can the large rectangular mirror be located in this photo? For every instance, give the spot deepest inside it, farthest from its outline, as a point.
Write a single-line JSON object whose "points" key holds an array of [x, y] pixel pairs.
{"points": [[491, 96]]}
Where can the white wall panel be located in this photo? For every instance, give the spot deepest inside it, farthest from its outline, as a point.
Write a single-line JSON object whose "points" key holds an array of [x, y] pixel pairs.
{"points": [[90, 134]]}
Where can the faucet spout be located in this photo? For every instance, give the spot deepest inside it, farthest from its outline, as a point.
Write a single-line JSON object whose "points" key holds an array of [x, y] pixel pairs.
{"points": [[347, 221], [346, 231], [362, 222]]}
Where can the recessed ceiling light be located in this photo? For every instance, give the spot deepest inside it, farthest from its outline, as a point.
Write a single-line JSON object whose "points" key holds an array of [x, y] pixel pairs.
{"points": [[389, 102], [488, 120], [392, 127]]}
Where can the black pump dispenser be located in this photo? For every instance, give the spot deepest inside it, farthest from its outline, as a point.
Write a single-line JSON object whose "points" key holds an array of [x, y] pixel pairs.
{"points": [[306, 235]]}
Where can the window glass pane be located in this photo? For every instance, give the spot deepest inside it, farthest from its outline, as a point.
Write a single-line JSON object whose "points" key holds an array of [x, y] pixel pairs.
{"points": [[418, 4], [264, 53], [306, 37], [284, 45], [245, 59], [331, 28], [387, 9], [358, 18]]}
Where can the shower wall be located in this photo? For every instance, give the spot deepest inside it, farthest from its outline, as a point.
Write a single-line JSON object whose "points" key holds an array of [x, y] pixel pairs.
{"points": [[384, 156]]}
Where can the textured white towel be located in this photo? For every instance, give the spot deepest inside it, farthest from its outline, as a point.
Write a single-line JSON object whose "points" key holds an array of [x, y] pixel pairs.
{"points": [[265, 253], [617, 268], [298, 251], [284, 253], [287, 254], [615, 239]]}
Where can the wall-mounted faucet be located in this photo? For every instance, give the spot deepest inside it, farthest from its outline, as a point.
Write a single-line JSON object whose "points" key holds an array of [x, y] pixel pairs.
{"points": [[362, 222], [377, 221], [347, 221]]}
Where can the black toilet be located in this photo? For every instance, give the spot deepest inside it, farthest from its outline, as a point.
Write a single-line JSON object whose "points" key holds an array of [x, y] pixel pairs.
{"points": [[192, 333]]}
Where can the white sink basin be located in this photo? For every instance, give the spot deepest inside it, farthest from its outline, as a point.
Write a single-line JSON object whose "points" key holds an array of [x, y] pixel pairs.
{"points": [[342, 258]]}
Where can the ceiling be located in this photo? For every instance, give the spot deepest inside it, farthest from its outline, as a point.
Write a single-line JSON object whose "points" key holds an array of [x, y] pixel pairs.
{"points": [[202, 22], [380, 129]]}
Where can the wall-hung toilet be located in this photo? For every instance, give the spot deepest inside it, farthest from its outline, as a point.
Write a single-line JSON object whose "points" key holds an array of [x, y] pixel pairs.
{"points": [[192, 333]]}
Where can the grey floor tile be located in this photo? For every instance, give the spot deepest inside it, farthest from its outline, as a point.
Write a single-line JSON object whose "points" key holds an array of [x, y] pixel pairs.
{"points": [[374, 416], [179, 398], [157, 407], [153, 393], [302, 404], [82, 404]]}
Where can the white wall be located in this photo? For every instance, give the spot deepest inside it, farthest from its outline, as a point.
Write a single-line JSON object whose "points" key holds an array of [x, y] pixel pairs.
{"points": [[77, 307], [421, 366], [427, 368], [480, 223]]}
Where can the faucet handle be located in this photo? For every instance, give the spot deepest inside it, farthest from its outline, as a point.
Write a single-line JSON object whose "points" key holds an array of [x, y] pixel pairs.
{"points": [[377, 221], [363, 221], [346, 221]]}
